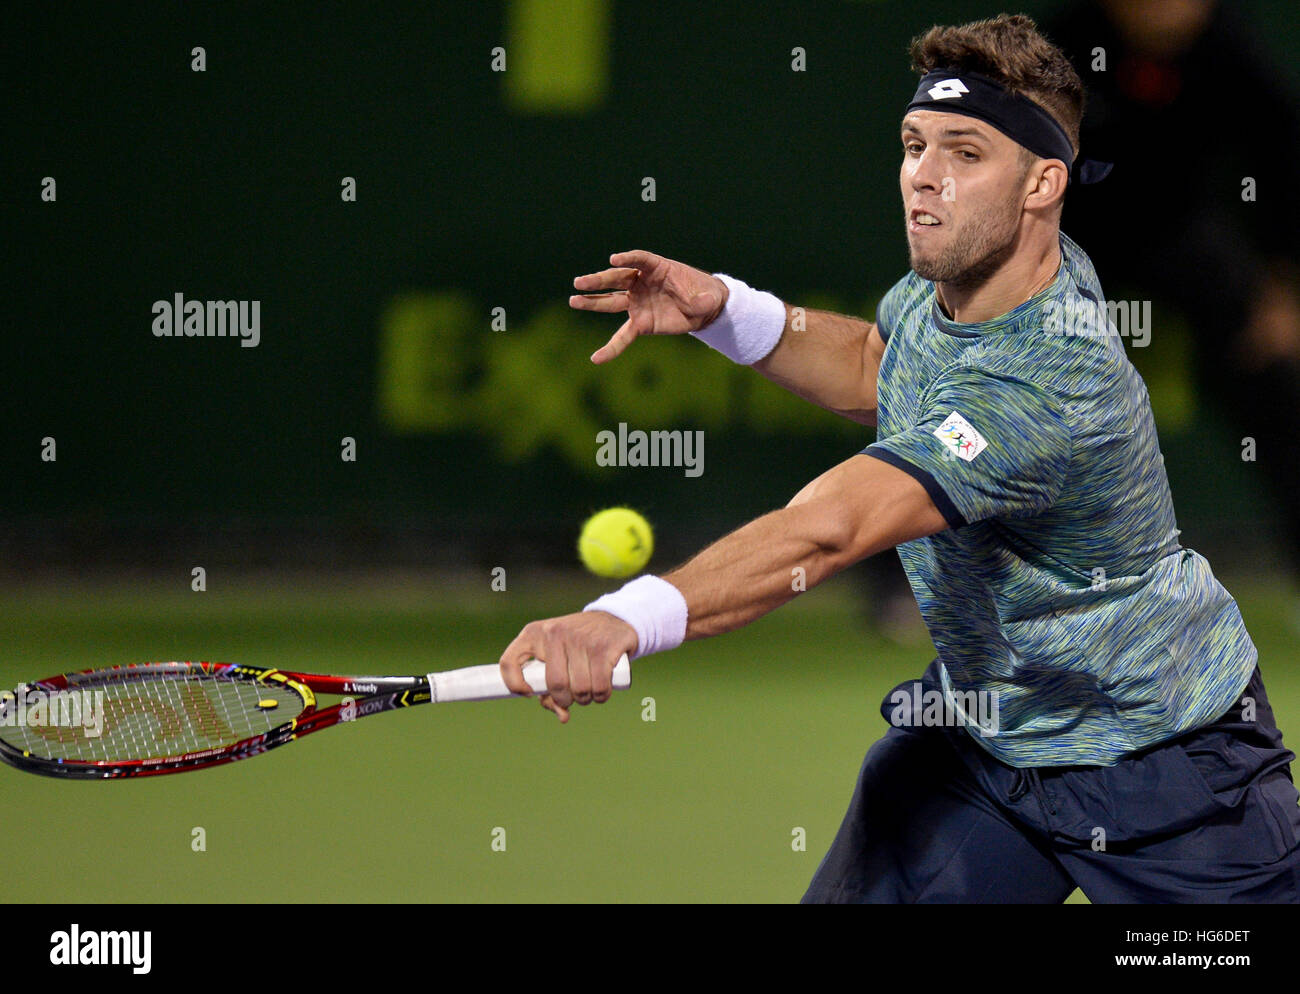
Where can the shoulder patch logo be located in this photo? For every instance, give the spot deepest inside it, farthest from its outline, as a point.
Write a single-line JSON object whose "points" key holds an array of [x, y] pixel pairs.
{"points": [[960, 437], [947, 90]]}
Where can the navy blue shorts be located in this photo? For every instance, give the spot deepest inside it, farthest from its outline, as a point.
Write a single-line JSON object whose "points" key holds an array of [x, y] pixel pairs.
{"points": [[1211, 816]]}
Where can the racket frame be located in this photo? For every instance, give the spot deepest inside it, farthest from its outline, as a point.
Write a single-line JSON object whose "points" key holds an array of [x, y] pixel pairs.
{"points": [[381, 694]]}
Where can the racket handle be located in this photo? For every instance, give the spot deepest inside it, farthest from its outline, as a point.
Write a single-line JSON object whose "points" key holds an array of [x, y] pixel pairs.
{"points": [[484, 683]]}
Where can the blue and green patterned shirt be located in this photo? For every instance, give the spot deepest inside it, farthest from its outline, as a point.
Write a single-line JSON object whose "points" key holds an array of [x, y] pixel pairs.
{"points": [[1061, 588]]}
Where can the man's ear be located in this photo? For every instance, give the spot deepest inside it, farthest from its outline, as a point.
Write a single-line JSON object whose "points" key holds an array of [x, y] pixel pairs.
{"points": [[1050, 178]]}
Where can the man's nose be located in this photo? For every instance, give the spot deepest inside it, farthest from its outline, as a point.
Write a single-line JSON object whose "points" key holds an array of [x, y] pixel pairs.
{"points": [[925, 173]]}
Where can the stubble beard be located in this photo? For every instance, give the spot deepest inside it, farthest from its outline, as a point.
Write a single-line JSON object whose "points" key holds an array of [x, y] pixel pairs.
{"points": [[977, 252]]}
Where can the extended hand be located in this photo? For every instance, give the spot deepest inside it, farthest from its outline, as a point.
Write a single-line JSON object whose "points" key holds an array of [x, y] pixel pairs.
{"points": [[580, 652], [660, 297]]}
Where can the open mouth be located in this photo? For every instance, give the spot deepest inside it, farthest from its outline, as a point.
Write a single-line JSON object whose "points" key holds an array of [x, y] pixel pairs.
{"points": [[919, 219]]}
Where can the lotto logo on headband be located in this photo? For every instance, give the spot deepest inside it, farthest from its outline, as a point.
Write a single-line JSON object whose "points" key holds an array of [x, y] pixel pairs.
{"points": [[1015, 115], [948, 89]]}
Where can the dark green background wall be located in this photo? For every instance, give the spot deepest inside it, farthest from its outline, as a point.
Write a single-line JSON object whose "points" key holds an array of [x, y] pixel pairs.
{"points": [[225, 184]]}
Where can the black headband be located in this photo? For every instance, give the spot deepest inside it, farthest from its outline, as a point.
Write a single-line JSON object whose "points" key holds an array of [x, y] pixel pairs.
{"points": [[1016, 116]]}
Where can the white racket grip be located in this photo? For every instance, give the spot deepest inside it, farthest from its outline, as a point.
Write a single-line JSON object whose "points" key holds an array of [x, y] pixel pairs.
{"points": [[485, 683]]}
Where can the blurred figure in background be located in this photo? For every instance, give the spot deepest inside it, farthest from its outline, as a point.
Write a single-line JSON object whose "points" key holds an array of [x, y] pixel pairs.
{"points": [[1187, 80]]}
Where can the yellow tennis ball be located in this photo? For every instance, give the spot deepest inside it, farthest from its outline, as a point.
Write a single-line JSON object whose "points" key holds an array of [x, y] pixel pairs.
{"points": [[616, 542]]}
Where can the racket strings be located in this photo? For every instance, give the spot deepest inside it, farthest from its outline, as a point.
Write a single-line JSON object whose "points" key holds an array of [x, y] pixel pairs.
{"points": [[149, 717]]}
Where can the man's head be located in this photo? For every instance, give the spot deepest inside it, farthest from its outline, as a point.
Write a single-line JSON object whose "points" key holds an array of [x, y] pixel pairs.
{"points": [[982, 188]]}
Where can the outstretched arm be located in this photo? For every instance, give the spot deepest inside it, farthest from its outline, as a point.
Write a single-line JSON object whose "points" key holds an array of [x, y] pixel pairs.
{"points": [[854, 510], [831, 360], [828, 359]]}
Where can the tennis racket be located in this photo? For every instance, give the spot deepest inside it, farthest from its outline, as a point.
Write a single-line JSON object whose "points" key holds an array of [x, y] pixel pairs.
{"points": [[153, 718]]}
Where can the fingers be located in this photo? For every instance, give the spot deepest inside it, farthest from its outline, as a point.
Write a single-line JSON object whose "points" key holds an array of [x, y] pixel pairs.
{"points": [[579, 653], [620, 340], [512, 665], [580, 678], [562, 713], [557, 676], [607, 279], [617, 281], [636, 259], [588, 682], [602, 682], [603, 303]]}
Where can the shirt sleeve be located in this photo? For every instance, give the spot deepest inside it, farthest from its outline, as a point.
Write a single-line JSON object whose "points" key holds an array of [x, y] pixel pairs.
{"points": [[887, 309], [987, 445]]}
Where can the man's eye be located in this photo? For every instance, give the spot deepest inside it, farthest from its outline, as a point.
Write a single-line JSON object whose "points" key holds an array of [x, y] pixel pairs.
{"points": [[968, 156], [912, 147]]}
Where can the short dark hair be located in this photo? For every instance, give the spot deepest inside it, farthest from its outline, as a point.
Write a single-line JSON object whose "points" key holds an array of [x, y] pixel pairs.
{"points": [[1010, 49]]}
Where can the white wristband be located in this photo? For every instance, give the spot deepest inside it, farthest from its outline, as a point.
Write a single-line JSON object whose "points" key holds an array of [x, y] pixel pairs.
{"points": [[749, 326], [654, 607]]}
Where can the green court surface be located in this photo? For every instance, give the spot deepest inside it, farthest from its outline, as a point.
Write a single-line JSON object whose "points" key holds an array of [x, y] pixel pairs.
{"points": [[756, 735]]}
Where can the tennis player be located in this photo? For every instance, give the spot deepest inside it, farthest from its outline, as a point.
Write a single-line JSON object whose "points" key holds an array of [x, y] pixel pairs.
{"points": [[1102, 720]]}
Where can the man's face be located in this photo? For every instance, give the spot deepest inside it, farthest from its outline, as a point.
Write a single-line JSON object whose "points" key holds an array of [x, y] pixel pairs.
{"points": [[962, 183]]}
